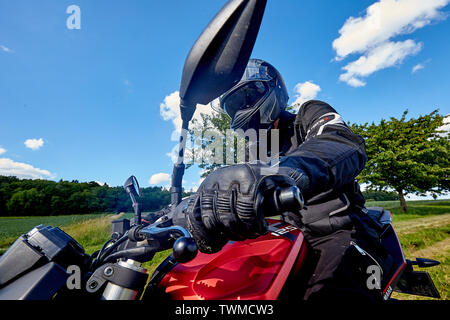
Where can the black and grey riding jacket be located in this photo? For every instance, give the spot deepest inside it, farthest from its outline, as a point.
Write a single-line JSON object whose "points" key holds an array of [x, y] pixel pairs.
{"points": [[319, 145]]}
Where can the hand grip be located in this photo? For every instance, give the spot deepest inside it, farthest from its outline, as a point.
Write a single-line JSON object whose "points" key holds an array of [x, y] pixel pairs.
{"points": [[287, 199]]}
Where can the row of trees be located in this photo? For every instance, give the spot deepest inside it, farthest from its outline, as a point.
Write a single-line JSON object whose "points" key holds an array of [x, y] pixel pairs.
{"points": [[405, 156], [43, 198], [375, 195]]}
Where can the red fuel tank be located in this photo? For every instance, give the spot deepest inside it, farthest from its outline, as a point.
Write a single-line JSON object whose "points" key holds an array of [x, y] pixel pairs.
{"points": [[254, 269]]}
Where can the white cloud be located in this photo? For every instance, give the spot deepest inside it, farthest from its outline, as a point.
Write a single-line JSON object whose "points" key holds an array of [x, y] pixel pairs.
{"points": [[170, 110], [102, 183], [427, 196], [370, 35], [445, 127], [173, 154], [2, 150], [159, 178], [34, 144], [196, 185], [9, 167], [384, 56], [352, 81], [383, 20], [5, 49], [305, 91], [417, 67], [128, 85]]}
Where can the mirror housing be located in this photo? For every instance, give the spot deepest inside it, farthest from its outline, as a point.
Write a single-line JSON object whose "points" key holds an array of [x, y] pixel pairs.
{"points": [[131, 186], [218, 58], [214, 65]]}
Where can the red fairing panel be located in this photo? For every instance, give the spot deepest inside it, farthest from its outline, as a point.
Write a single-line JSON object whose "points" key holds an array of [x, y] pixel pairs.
{"points": [[245, 270]]}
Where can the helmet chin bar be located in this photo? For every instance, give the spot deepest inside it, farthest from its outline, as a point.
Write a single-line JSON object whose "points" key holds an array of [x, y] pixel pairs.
{"points": [[253, 119]]}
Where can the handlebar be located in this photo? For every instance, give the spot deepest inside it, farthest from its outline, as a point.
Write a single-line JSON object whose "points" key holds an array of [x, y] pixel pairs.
{"points": [[286, 199], [177, 237], [184, 249]]}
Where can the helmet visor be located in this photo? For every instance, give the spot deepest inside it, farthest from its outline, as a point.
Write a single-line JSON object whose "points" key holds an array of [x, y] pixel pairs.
{"points": [[243, 97], [256, 70]]}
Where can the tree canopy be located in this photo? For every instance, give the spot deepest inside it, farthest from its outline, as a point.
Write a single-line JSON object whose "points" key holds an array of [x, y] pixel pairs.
{"points": [[408, 156], [43, 197]]}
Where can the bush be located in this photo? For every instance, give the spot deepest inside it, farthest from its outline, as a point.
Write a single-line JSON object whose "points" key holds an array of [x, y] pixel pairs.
{"points": [[380, 195]]}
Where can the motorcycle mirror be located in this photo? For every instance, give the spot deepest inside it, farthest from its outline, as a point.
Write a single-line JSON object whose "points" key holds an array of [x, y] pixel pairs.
{"points": [[218, 58], [131, 186], [215, 64]]}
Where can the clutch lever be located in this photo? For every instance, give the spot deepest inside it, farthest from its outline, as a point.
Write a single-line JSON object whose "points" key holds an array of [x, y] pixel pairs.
{"points": [[184, 249]]}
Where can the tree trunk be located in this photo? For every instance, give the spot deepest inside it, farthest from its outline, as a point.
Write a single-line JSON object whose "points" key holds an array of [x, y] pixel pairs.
{"points": [[402, 201]]}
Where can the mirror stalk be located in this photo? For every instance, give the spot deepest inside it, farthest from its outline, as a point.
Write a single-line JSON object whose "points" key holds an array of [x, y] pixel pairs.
{"points": [[179, 168], [131, 186], [137, 211]]}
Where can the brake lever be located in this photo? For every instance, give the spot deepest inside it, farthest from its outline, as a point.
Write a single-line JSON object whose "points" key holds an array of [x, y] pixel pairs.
{"points": [[184, 249], [160, 233]]}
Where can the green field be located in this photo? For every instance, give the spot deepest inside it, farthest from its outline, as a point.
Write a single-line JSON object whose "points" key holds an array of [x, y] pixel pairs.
{"points": [[13, 227], [424, 232]]}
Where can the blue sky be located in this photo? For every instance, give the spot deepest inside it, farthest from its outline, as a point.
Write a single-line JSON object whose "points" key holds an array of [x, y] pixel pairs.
{"points": [[85, 103]]}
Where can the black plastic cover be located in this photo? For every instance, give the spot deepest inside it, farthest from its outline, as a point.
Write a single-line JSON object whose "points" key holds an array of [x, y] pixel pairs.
{"points": [[40, 284], [39, 246], [417, 283], [56, 245], [20, 258], [119, 227]]}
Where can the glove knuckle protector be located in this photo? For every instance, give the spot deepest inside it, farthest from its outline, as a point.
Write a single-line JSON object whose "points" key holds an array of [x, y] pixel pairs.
{"points": [[207, 241]]}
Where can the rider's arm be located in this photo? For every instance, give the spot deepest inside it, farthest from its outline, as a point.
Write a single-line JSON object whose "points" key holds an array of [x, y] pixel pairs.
{"points": [[331, 155]]}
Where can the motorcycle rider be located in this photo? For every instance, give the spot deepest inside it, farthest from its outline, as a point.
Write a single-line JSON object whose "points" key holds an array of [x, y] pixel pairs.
{"points": [[321, 156]]}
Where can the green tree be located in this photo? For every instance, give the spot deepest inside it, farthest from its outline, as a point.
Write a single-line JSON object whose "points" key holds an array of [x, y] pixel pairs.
{"points": [[375, 195], [408, 156], [216, 122], [25, 203]]}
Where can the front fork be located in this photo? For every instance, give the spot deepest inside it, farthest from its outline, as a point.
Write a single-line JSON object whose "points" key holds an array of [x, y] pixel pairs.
{"points": [[115, 289], [124, 280]]}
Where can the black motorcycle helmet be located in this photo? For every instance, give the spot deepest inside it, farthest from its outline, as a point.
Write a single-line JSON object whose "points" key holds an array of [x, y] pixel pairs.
{"points": [[257, 100]]}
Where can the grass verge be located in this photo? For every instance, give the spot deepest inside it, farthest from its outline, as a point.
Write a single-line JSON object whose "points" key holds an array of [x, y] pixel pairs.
{"points": [[427, 238]]}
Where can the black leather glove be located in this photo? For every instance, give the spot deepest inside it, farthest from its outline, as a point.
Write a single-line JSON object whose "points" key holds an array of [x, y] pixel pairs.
{"points": [[230, 205]]}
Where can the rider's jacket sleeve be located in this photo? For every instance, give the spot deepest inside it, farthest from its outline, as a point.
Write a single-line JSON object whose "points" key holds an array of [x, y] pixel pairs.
{"points": [[327, 151]]}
